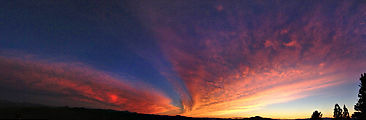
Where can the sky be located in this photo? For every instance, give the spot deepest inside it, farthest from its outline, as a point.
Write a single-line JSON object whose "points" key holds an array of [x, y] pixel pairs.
{"points": [[206, 58]]}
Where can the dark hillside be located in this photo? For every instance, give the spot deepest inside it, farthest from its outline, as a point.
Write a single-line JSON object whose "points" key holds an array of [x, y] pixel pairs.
{"points": [[10, 110]]}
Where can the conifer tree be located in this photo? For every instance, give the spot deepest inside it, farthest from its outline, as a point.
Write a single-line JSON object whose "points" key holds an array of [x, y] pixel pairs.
{"points": [[316, 115], [360, 106], [337, 112], [345, 113]]}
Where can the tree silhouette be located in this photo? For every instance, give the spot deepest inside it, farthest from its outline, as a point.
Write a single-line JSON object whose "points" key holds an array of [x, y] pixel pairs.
{"points": [[316, 115], [337, 112], [361, 104], [345, 113]]}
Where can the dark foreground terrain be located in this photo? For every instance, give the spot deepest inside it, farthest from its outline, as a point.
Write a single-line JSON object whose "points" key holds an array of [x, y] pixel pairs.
{"points": [[10, 110]]}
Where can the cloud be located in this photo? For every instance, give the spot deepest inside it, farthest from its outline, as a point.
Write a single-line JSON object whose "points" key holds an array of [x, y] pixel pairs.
{"points": [[224, 58], [258, 53], [70, 83]]}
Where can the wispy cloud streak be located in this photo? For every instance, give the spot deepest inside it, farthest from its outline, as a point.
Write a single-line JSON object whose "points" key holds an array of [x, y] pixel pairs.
{"points": [[78, 83]]}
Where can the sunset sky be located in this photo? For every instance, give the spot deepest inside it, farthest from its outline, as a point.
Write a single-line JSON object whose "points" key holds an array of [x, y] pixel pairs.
{"points": [[197, 58]]}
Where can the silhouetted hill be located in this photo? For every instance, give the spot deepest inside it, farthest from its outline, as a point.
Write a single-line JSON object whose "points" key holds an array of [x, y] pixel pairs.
{"points": [[11, 110], [4, 104]]}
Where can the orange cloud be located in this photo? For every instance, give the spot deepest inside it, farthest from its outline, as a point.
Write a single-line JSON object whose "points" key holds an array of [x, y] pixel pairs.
{"points": [[249, 59], [77, 83]]}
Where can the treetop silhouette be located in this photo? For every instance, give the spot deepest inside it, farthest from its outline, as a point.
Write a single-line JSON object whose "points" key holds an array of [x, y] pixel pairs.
{"points": [[337, 112], [316, 115], [361, 104], [345, 112]]}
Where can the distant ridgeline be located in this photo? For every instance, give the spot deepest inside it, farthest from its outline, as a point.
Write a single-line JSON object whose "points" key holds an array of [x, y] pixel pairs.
{"points": [[11, 110]]}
